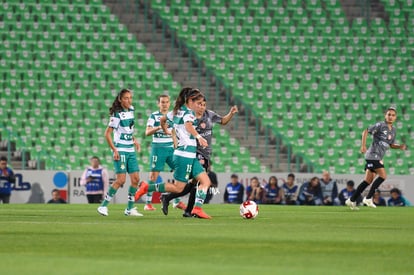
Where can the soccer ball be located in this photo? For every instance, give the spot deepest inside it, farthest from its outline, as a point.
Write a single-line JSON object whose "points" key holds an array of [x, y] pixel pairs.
{"points": [[249, 210]]}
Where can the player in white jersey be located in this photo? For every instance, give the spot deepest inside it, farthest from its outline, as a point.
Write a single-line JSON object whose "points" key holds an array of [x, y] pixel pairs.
{"points": [[186, 165], [383, 134], [123, 146]]}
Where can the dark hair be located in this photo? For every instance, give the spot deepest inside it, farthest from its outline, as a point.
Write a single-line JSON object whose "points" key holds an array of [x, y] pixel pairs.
{"points": [[161, 96], [95, 157], [116, 105], [395, 190], [318, 187], [350, 183], [291, 175], [3, 158], [55, 190], [184, 96], [270, 179]]}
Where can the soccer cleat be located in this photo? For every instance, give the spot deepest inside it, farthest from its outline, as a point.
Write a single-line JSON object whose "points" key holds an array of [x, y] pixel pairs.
{"points": [[187, 215], [143, 189], [103, 210], [132, 212], [165, 204], [369, 203], [351, 204], [180, 205], [199, 213], [149, 207]]}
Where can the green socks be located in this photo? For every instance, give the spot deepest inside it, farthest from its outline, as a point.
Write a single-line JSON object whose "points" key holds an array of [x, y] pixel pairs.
{"points": [[200, 197], [159, 187], [131, 197], [109, 196], [149, 194]]}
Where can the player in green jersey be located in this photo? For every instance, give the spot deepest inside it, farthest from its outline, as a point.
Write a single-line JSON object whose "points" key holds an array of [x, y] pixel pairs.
{"points": [[162, 147], [186, 165], [123, 146]]}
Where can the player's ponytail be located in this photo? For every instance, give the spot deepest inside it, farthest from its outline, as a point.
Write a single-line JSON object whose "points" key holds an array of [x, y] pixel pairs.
{"points": [[181, 99], [116, 105]]}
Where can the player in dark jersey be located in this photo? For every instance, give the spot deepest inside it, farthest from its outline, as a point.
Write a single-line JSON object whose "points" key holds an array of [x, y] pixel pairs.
{"points": [[383, 134], [206, 119]]}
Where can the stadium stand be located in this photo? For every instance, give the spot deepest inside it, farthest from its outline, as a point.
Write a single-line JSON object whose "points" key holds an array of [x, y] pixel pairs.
{"points": [[302, 66], [308, 72], [62, 63]]}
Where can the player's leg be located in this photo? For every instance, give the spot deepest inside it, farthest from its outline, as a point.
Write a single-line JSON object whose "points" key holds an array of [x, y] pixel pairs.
{"points": [[369, 176], [204, 183], [119, 181], [153, 176], [191, 201], [382, 175], [133, 171]]}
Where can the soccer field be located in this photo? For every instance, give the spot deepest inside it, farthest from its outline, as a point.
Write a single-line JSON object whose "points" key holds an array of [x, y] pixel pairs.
{"points": [[74, 239]]}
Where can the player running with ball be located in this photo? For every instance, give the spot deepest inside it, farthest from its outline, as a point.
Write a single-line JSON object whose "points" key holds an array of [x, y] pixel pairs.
{"points": [[383, 134]]}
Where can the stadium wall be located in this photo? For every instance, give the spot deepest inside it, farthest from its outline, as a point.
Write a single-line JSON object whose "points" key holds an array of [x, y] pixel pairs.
{"points": [[36, 186]]}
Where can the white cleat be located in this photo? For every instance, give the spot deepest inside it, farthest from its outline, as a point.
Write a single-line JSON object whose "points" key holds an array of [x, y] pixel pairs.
{"points": [[351, 204], [103, 210], [369, 202], [132, 212]]}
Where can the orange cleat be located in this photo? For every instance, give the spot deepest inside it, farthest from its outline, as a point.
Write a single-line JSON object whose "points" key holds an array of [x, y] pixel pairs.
{"points": [[198, 212], [149, 207], [180, 205], [143, 189]]}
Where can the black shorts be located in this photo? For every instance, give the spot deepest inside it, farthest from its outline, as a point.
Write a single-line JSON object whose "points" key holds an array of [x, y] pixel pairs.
{"points": [[372, 164], [205, 162]]}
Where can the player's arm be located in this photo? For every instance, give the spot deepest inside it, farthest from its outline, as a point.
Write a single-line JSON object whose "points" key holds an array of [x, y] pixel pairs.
{"points": [[364, 141], [398, 146], [226, 119], [108, 137], [174, 138], [189, 127], [137, 144], [164, 125], [149, 131]]}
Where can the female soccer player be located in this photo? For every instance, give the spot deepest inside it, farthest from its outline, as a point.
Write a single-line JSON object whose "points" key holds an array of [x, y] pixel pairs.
{"points": [[123, 146], [162, 148], [206, 119], [186, 165], [383, 134]]}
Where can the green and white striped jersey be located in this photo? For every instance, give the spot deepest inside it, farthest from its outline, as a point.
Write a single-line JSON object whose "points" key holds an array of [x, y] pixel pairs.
{"points": [[187, 143], [159, 138], [123, 125]]}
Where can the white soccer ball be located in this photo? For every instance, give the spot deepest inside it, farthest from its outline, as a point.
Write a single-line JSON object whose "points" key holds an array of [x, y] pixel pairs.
{"points": [[249, 210]]}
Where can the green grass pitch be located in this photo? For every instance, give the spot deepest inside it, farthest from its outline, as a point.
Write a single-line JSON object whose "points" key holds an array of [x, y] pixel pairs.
{"points": [[75, 239]]}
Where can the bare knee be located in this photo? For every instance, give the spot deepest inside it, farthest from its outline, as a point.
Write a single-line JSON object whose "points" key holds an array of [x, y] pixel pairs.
{"points": [[153, 176]]}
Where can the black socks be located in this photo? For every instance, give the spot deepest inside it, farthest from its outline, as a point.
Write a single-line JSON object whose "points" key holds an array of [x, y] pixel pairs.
{"points": [[360, 189], [377, 182]]}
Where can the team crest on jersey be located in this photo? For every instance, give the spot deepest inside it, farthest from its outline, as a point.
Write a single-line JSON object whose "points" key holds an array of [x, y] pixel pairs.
{"points": [[122, 166], [202, 125]]}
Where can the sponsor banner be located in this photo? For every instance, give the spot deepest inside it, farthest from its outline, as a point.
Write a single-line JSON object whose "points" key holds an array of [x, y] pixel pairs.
{"points": [[36, 186]]}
